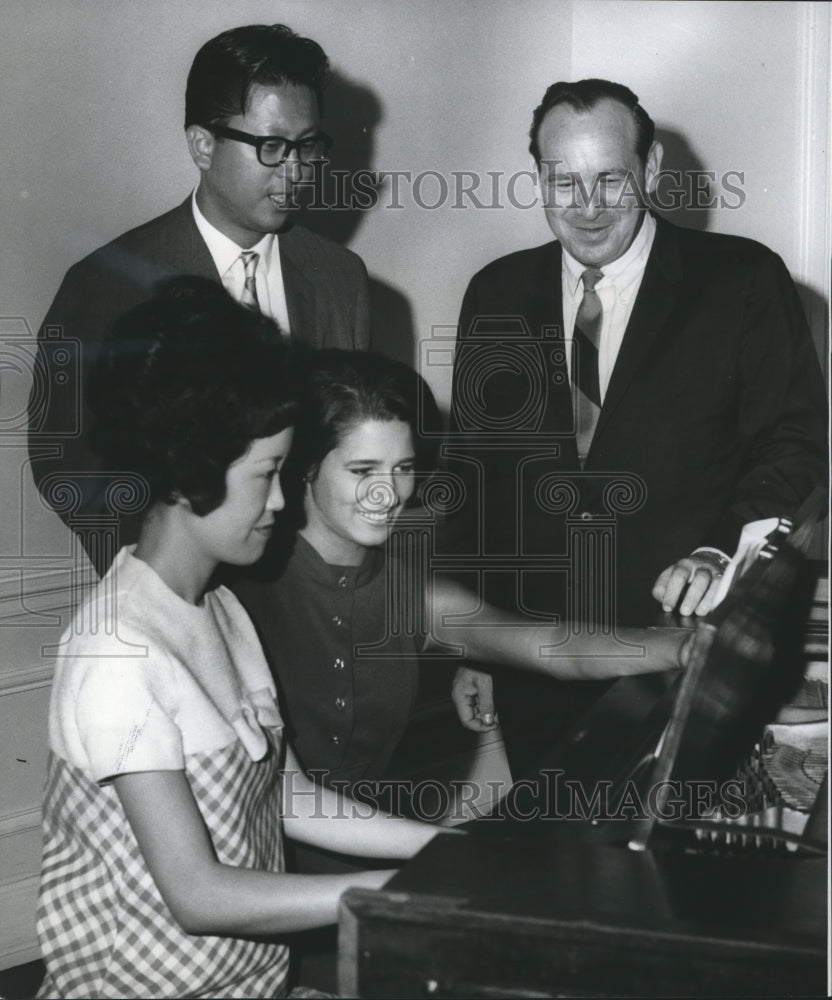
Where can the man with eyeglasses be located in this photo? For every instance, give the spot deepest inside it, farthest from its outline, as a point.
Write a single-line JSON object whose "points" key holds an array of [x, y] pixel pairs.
{"points": [[252, 122]]}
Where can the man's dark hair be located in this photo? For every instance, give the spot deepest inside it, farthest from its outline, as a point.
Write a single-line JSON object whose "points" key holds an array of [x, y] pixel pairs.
{"points": [[582, 96], [183, 385], [228, 66]]}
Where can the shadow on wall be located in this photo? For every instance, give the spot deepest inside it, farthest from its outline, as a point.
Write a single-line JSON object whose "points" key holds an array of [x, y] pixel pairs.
{"points": [[393, 332], [817, 312], [686, 192], [334, 208], [345, 190]]}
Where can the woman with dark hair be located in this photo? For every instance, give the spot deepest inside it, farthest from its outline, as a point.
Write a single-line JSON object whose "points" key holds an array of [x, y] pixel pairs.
{"points": [[367, 427], [367, 430], [169, 785]]}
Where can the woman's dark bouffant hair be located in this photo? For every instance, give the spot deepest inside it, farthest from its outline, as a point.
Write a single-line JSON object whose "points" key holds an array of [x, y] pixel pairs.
{"points": [[344, 388], [184, 383]]}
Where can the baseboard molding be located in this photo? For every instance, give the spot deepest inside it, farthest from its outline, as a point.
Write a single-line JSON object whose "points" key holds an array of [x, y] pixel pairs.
{"points": [[20, 847], [25, 679], [36, 604], [18, 901], [32, 595]]}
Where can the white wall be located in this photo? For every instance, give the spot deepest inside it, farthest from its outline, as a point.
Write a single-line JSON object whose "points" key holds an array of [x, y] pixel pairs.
{"points": [[91, 124], [741, 87]]}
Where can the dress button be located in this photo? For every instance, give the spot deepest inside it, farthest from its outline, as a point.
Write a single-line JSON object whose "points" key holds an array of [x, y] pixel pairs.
{"points": [[338, 664], [586, 516], [334, 739], [343, 582], [337, 620], [340, 703]]}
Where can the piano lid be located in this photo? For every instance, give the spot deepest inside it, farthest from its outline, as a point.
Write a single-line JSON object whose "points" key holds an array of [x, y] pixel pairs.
{"points": [[747, 661]]}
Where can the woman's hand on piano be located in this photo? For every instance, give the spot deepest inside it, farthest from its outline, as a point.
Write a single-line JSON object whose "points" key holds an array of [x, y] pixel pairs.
{"points": [[473, 696]]}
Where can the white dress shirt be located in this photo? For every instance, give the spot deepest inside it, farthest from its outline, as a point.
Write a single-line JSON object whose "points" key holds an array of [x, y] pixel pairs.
{"points": [[271, 295], [617, 291]]}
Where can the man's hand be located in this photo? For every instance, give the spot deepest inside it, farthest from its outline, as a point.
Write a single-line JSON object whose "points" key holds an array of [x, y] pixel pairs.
{"points": [[695, 580], [473, 695]]}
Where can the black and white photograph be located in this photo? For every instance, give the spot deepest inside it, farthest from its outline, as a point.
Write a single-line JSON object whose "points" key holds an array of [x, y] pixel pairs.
{"points": [[414, 506]]}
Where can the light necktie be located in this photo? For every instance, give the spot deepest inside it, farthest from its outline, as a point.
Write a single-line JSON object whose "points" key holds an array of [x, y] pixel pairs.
{"points": [[585, 340], [249, 294]]}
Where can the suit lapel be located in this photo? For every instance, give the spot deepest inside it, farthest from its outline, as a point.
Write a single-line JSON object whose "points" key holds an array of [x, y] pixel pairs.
{"points": [[656, 298], [543, 312], [545, 293], [548, 315], [187, 252], [300, 292]]}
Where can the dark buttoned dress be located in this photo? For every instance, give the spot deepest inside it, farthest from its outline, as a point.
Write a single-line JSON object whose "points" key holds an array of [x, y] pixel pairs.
{"points": [[347, 678]]}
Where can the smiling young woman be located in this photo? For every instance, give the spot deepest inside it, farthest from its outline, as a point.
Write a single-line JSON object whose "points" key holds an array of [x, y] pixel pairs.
{"points": [[360, 445]]}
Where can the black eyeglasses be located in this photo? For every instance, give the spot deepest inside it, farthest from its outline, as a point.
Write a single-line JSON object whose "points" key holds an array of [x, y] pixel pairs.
{"points": [[272, 150]]}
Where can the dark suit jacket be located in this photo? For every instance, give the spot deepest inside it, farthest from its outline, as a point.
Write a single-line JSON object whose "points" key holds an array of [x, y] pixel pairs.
{"points": [[327, 298], [715, 415]]}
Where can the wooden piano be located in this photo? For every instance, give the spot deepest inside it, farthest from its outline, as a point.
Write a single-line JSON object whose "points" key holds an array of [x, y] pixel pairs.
{"points": [[633, 879]]}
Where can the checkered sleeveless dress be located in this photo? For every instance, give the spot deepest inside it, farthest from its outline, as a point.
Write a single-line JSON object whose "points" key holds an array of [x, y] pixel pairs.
{"points": [[106, 929], [197, 697]]}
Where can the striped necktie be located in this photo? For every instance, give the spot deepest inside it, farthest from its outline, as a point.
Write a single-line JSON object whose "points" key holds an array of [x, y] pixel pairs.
{"points": [[585, 339], [248, 297]]}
